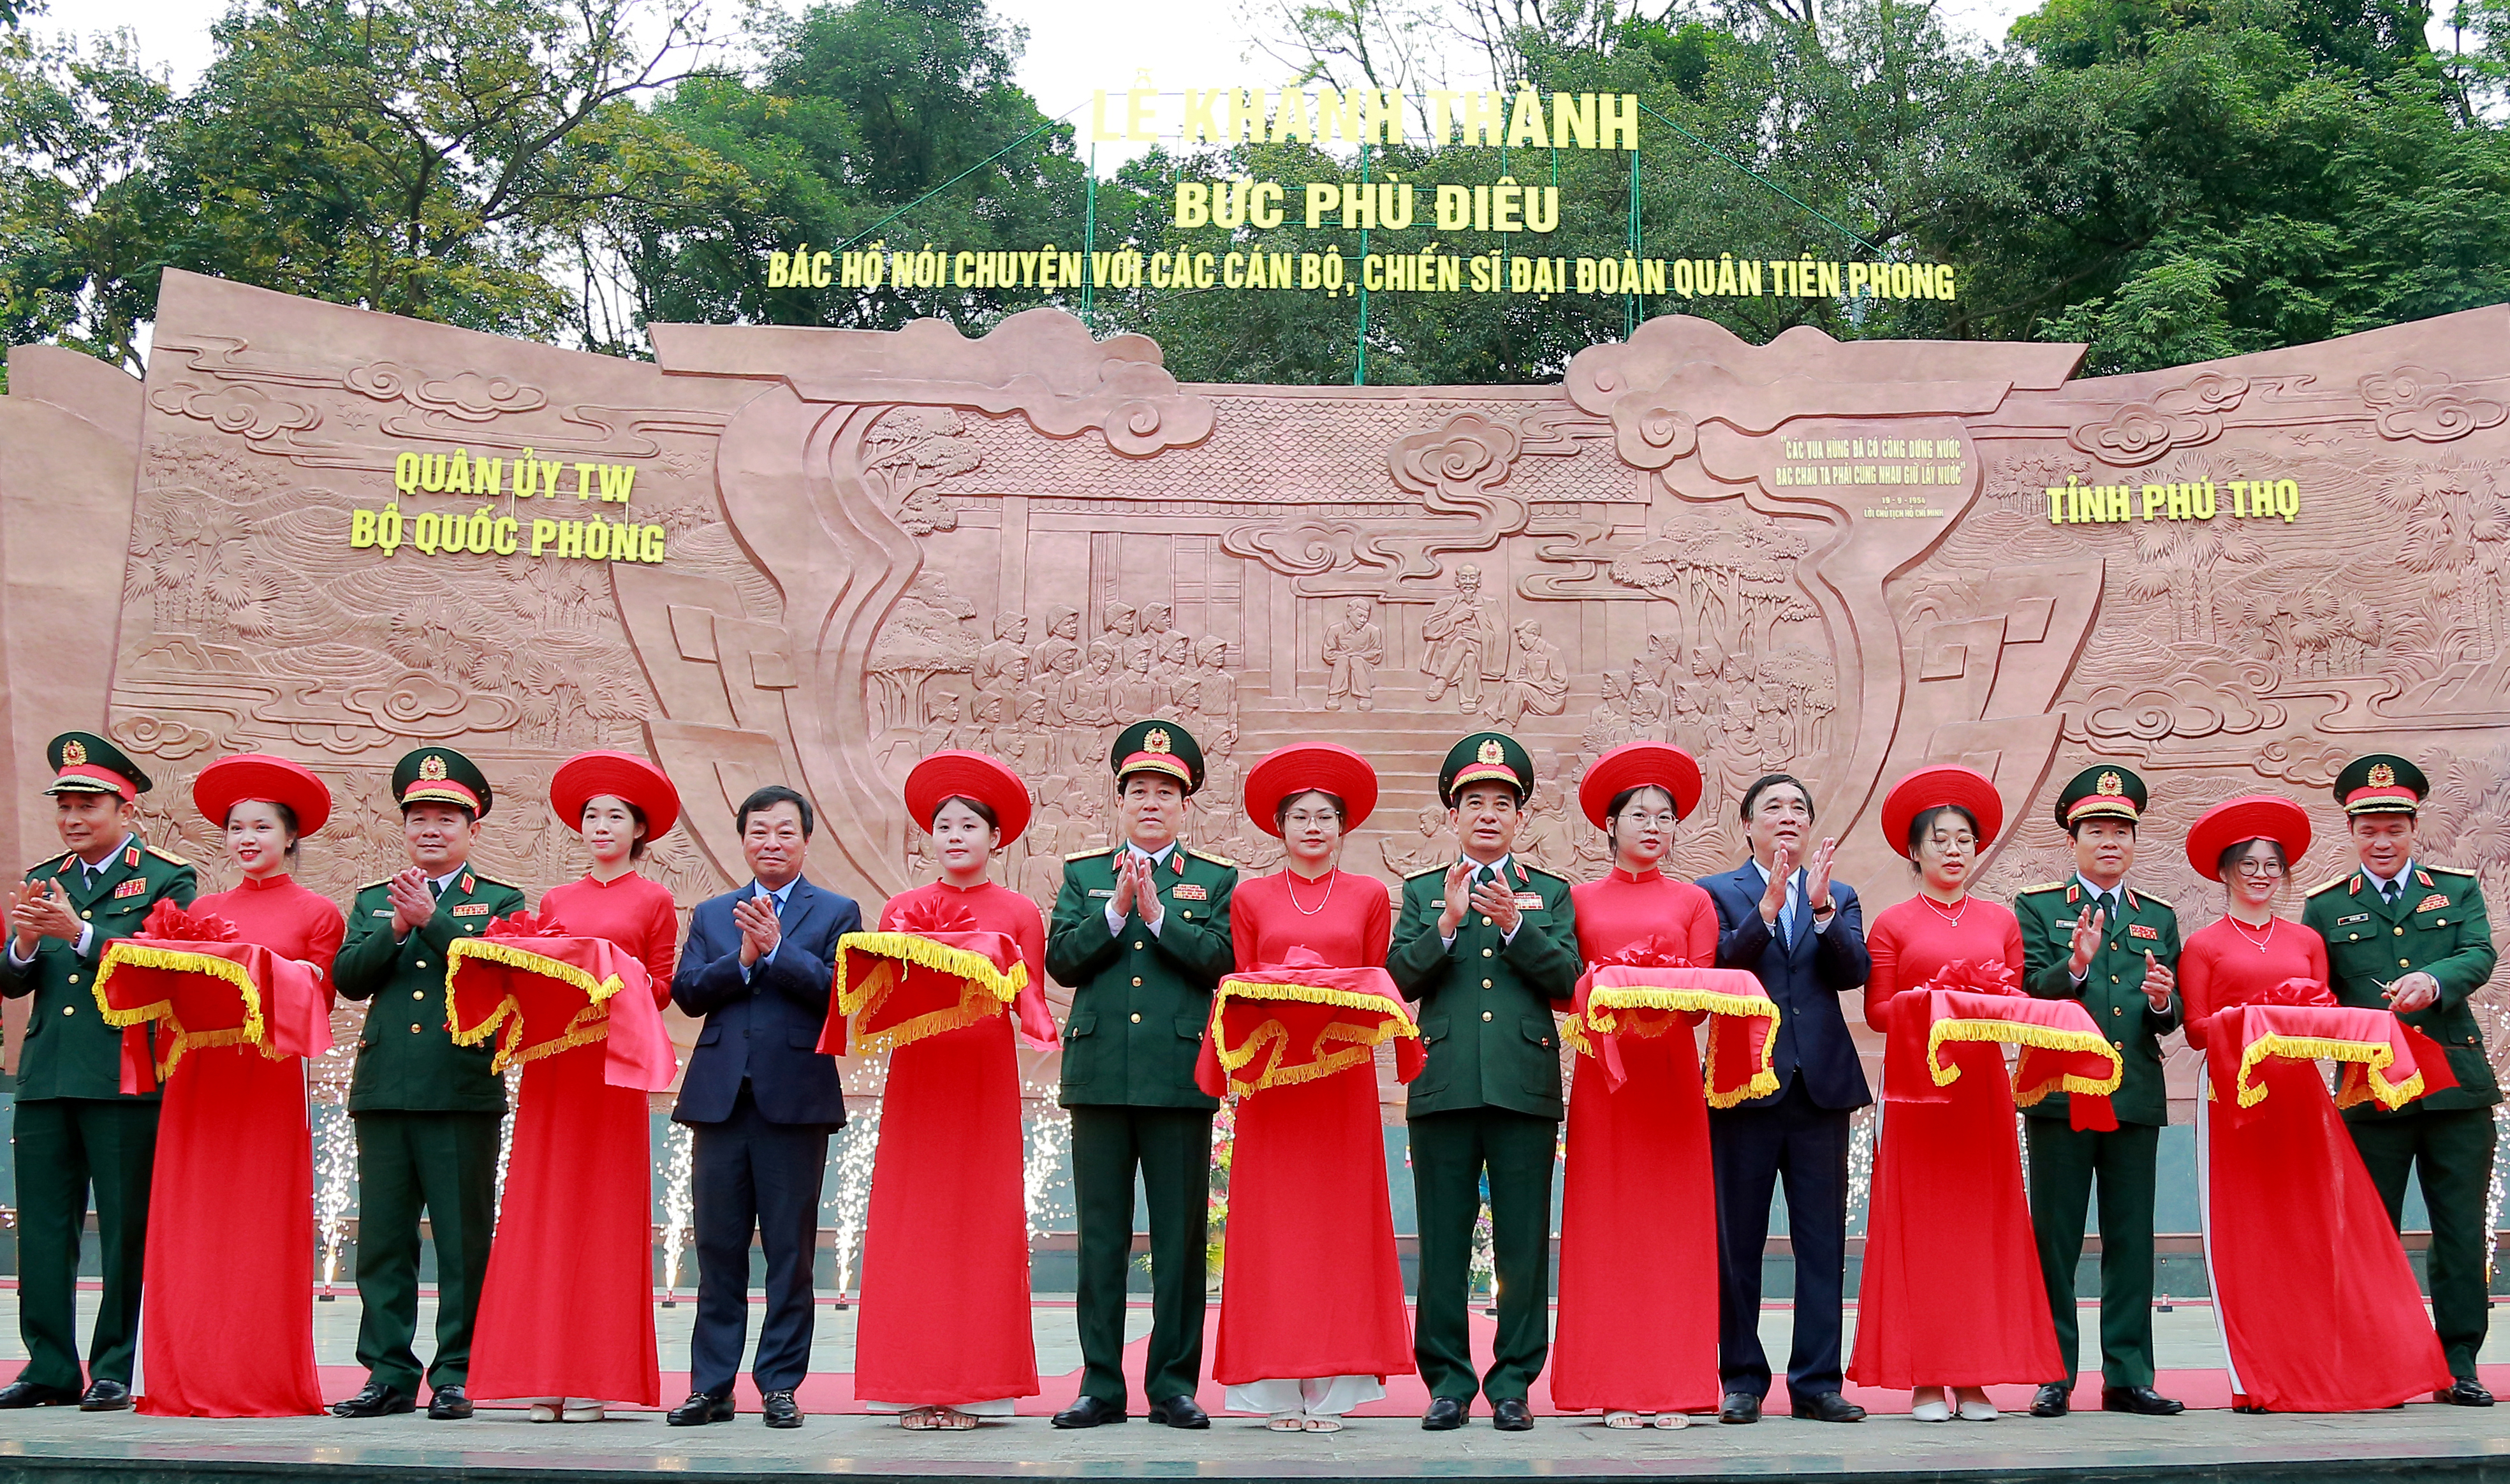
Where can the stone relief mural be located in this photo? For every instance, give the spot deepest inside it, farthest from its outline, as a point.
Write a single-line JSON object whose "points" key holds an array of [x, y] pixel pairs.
{"points": [[1842, 559]]}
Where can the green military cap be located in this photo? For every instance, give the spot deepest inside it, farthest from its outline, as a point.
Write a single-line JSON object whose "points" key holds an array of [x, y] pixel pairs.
{"points": [[1482, 758], [2103, 791], [86, 763], [442, 775], [1157, 747], [2380, 783]]}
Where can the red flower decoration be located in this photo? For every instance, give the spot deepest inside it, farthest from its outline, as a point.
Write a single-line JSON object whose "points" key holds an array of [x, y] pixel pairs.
{"points": [[935, 914], [171, 922], [525, 925], [1977, 976], [2297, 990], [1653, 951]]}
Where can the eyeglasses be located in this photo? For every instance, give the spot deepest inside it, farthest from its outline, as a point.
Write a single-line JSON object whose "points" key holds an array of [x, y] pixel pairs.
{"points": [[1661, 819], [2268, 868]]}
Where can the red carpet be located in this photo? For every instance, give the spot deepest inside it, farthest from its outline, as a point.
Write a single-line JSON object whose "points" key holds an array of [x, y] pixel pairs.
{"points": [[832, 1392]]}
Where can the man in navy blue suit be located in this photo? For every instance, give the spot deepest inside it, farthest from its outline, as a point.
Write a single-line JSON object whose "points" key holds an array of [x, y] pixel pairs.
{"points": [[1781, 916], [762, 1101]]}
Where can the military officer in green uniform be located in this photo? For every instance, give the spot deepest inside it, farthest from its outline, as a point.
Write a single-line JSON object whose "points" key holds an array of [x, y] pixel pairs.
{"points": [[1141, 934], [2095, 940], [2407, 935], [427, 1110], [76, 1131], [1488, 946]]}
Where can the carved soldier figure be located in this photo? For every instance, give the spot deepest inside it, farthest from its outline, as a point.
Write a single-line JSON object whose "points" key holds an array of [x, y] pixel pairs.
{"points": [[1062, 639], [1004, 663], [1538, 683], [1134, 693], [1465, 644], [1352, 649], [1216, 693]]}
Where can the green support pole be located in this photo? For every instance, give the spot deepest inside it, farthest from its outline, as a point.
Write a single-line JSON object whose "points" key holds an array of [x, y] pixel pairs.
{"points": [[1629, 297], [1360, 356]]}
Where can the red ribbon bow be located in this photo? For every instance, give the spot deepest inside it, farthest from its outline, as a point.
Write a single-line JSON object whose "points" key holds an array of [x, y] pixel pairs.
{"points": [[525, 925], [2297, 990], [172, 923], [1653, 951], [1977, 976], [932, 916]]}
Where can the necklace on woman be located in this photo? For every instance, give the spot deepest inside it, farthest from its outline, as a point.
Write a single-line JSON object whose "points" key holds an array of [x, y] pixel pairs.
{"points": [[1319, 906], [1952, 917], [2242, 929]]}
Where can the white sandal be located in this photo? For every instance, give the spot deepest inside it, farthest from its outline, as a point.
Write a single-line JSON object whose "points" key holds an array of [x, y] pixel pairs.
{"points": [[1670, 1420], [1320, 1425], [1619, 1420], [1286, 1421]]}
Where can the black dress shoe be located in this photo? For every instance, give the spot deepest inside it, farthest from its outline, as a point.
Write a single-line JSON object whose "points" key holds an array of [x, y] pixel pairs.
{"points": [[2464, 1391], [31, 1394], [1738, 1407], [781, 1409], [2142, 1401], [698, 1410], [448, 1404], [1512, 1415], [1179, 1411], [1828, 1407], [1445, 1415], [104, 1395], [1090, 1412], [2055, 1399], [376, 1399]]}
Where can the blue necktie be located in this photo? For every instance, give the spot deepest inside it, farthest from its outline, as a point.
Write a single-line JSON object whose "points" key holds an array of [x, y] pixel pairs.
{"points": [[1787, 917]]}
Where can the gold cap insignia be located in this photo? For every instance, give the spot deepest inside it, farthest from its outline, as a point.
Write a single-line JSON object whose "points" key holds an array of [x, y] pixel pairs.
{"points": [[2382, 774], [430, 768], [2112, 784], [73, 753], [1492, 751], [1155, 740]]}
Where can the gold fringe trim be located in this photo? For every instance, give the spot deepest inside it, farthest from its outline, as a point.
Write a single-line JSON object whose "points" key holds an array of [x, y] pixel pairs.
{"points": [[589, 1025], [1721, 1007], [178, 1040], [1357, 1043], [2016, 1033], [993, 987], [2375, 1058]]}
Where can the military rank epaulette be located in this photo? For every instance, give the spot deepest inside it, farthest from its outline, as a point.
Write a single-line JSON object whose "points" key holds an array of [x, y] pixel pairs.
{"points": [[1214, 859], [2155, 901], [1435, 870], [2446, 870], [1104, 850], [2045, 886], [2329, 886], [372, 884], [169, 856]]}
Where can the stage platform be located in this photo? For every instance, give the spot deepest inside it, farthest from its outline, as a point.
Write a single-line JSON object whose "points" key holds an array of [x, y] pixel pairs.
{"points": [[2421, 1442]]}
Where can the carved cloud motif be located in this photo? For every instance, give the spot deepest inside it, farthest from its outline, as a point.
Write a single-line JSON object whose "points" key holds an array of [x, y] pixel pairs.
{"points": [[2181, 417], [235, 409], [2429, 406], [469, 396], [1459, 464]]}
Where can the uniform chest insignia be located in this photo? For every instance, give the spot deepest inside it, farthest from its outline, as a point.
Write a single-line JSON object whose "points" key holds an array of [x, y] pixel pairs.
{"points": [[2132, 903], [381, 912], [2064, 925], [1520, 872], [2436, 899], [1176, 862], [1102, 891], [130, 888], [2358, 917], [130, 859], [2142, 929], [2073, 895], [1529, 901], [1190, 891], [64, 868], [466, 883], [473, 909], [2423, 877]]}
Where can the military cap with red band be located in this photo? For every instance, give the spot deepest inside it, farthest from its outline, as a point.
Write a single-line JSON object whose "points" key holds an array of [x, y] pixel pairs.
{"points": [[2381, 783], [2103, 791], [1485, 757], [86, 763], [1157, 747], [442, 775]]}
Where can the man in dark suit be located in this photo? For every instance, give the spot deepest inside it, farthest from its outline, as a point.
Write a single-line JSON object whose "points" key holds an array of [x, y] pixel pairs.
{"points": [[1781, 916], [762, 1101]]}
